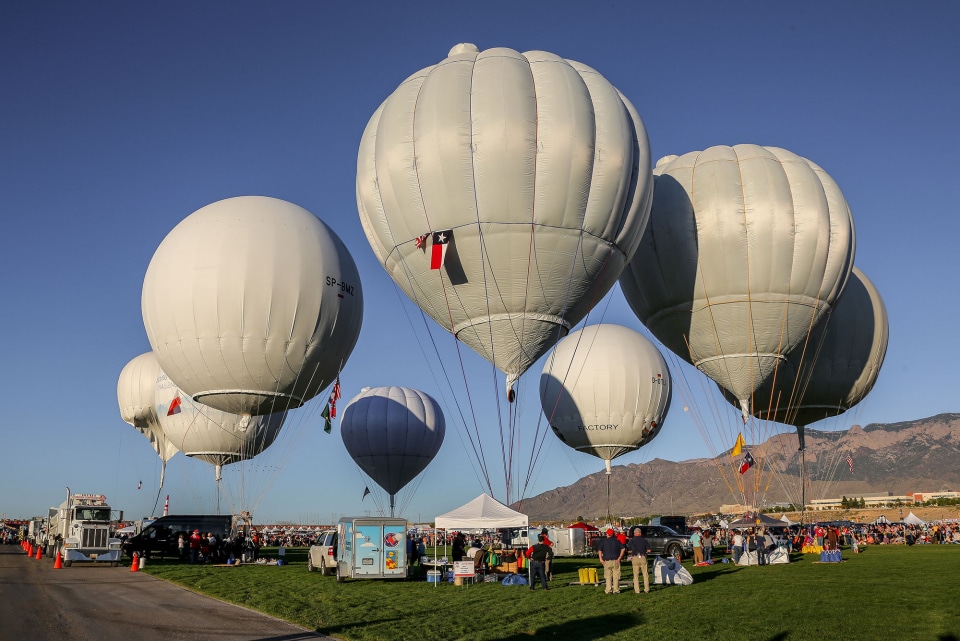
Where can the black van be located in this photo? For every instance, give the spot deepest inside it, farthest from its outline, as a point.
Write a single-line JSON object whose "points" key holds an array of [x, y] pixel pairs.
{"points": [[160, 537], [676, 523]]}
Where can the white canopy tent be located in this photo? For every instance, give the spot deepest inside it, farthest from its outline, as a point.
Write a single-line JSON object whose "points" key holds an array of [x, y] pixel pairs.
{"points": [[482, 513], [913, 519]]}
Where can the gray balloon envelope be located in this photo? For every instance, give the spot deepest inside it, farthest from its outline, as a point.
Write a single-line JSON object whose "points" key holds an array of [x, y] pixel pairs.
{"points": [[392, 433]]}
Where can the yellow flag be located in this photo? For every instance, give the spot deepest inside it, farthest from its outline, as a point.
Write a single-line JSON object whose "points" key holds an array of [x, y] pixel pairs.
{"points": [[738, 446]]}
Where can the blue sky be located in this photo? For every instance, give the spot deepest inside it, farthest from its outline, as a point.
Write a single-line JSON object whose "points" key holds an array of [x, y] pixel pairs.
{"points": [[120, 119]]}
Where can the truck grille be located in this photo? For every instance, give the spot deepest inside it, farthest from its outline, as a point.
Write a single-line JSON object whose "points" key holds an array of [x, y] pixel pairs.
{"points": [[94, 538]]}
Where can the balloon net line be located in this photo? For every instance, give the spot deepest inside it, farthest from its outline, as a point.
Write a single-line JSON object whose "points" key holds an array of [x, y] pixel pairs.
{"points": [[449, 397]]}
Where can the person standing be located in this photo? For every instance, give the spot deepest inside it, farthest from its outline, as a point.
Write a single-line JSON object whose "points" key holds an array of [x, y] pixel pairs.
{"points": [[708, 545], [549, 563], [761, 547], [611, 552], [539, 554], [737, 546], [639, 547], [459, 547], [182, 547], [697, 542], [195, 542]]}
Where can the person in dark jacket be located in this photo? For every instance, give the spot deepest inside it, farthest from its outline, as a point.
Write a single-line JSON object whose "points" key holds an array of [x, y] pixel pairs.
{"points": [[639, 548], [539, 554], [611, 552]]}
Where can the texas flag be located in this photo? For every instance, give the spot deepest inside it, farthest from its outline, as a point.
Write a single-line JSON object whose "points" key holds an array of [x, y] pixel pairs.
{"points": [[441, 240], [174, 406], [747, 463]]}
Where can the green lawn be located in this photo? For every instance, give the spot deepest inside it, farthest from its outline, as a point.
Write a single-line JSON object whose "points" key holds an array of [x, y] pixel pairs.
{"points": [[888, 592]]}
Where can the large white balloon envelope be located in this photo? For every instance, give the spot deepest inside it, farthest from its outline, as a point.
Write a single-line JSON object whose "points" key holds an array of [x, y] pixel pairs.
{"points": [[605, 390], [392, 433], [252, 305], [747, 248], [537, 172], [136, 393], [208, 434]]}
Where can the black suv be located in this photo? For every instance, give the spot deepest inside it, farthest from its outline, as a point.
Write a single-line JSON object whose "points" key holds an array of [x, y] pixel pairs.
{"points": [[666, 542]]}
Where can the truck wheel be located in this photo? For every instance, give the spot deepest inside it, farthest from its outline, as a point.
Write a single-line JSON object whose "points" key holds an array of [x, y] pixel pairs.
{"points": [[326, 569], [675, 551], [310, 567]]}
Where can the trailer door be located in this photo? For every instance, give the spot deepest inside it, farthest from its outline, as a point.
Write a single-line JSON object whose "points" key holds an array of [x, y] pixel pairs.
{"points": [[368, 549]]}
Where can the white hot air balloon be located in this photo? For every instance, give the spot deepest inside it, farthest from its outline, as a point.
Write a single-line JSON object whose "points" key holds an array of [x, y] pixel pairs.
{"points": [[392, 433], [747, 248], [136, 392], [208, 434], [605, 390], [252, 305], [504, 192]]}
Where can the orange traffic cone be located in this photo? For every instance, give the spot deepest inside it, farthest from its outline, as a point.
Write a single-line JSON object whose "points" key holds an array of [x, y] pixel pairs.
{"points": [[29, 549], [58, 564], [39, 552], [135, 566]]}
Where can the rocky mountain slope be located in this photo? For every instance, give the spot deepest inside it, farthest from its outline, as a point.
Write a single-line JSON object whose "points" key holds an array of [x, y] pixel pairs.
{"points": [[911, 456]]}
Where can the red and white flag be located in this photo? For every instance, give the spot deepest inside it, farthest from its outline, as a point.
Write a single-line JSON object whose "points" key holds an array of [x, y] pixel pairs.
{"points": [[421, 242], [174, 406], [441, 240], [850, 463], [334, 396], [746, 463]]}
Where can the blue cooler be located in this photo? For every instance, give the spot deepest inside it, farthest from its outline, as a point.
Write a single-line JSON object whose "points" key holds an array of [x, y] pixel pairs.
{"points": [[433, 576]]}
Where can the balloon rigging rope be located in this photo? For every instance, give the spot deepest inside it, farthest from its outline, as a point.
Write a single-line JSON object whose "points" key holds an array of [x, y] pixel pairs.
{"points": [[478, 458]]}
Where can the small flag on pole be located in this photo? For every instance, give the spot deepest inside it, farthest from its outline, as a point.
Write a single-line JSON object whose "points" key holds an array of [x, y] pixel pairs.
{"points": [[850, 463], [366, 491], [441, 240], [139, 485], [334, 397], [174, 406], [421, 242], [747, 463], [738, 446], [327, 425]]}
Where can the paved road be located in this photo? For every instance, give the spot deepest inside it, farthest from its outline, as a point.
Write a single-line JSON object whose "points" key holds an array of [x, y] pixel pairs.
{"points": [[100, 603]]}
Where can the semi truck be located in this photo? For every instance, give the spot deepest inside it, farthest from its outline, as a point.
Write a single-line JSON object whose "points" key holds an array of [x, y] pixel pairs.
{"points": [[80, 530], [37, 531]]}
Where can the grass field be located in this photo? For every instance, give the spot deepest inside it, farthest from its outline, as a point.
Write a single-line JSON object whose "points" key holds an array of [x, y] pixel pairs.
{"points": [[888, 592]]}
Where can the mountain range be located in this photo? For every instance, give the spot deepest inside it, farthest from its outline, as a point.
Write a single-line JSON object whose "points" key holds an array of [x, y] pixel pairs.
{"points": [[922, 455]]}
